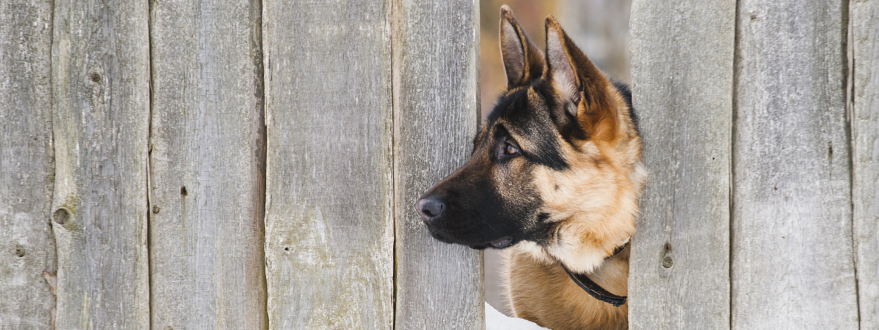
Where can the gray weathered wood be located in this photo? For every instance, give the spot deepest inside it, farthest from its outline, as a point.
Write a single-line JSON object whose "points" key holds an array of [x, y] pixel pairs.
{"points": [[436, 110], [100, 83], [329, 225], [600, 28], [27, 248], [206, 188], [682, 56], [864, 52], [792, 262]]}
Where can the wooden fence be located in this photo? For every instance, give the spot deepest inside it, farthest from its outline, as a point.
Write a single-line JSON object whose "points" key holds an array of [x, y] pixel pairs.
{"points": [[761, 129], [180, 164], [177, 164]]}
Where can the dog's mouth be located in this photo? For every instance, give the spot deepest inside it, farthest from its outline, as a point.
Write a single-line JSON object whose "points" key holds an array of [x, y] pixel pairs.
{"points": [[478, 243], [501, 243]]}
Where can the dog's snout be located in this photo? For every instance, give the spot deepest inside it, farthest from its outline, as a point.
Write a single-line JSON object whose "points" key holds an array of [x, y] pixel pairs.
{"points": [[430, 207]]}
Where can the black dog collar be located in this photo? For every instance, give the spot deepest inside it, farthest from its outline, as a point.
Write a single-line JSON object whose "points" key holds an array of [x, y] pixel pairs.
{"points": [[595, 290]]}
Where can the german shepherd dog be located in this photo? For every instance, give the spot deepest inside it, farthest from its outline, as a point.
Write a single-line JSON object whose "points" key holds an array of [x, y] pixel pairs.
{"points": [[554, 178]]}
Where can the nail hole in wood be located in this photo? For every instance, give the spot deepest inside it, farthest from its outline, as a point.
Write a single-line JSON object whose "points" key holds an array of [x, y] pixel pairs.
{"points": [[667, 262], [183, 191], [286, 248], [60, 216], [667, 247], [156, 209], [95, 77], [19, 252]]}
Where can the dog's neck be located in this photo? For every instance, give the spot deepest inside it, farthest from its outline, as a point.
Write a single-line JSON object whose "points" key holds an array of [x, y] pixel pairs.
{"points": [[595, 290], [592, 288], [548, 288]]}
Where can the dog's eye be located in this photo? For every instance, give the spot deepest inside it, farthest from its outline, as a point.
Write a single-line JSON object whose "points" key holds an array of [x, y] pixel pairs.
{"points": [[510, 149]]}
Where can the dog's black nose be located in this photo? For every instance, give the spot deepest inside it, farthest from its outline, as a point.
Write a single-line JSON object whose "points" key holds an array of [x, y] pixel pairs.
{"points": [[430, 207]]}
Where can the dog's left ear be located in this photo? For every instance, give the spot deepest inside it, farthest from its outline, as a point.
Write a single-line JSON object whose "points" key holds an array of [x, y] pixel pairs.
{"points": [[579, 81]]}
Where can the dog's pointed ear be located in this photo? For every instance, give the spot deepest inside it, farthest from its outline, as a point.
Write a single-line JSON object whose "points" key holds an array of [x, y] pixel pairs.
{"points": [[523, 61], [579, 81]]}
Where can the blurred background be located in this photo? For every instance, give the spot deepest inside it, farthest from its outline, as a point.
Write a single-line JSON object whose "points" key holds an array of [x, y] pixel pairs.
{"points": [[599, 27]]}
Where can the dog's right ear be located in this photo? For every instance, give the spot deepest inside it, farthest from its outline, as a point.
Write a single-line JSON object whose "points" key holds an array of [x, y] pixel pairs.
{"points": [[523, 61]]}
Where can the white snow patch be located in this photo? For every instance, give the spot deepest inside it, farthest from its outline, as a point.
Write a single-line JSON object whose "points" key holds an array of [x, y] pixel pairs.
{"points": [[495, 320]]}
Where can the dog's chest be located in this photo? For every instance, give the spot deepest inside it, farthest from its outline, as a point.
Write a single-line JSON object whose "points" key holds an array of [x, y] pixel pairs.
{"points": [[545, 295]]}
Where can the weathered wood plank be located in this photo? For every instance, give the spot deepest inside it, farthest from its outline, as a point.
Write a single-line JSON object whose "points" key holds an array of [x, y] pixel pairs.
{"points": [[436, 110], [600, 28], [206, 188], [329, 225], [792, 262], [27, 248], [864, 47], [682, 56], [100, 82]]}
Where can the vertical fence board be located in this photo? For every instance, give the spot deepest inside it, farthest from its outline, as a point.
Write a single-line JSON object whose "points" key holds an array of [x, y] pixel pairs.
{"points": [[329, 229], [206, 191], [792, 264], [683, 73], [27, 248], [865, 154], [436, 68], [100, 82]]}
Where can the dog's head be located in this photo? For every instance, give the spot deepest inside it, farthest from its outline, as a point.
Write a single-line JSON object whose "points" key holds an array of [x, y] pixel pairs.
{"points": [[555, 170]]}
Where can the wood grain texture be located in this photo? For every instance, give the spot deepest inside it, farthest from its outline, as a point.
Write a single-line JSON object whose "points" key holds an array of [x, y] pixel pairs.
{"points": [[100, 82], [329, 225], [436, 110], [864, 52], [682, 56], [206, 180], [27, 248], [600, 28], [792, 262]]}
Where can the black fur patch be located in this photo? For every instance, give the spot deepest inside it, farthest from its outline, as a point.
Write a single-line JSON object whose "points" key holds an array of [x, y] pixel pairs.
{"points": [[532, 119], [627, 95]]}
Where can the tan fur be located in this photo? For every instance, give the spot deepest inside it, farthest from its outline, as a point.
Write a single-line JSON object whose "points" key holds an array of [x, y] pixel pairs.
{"points": [[595, 204], [592, 203], [543, 293]]}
